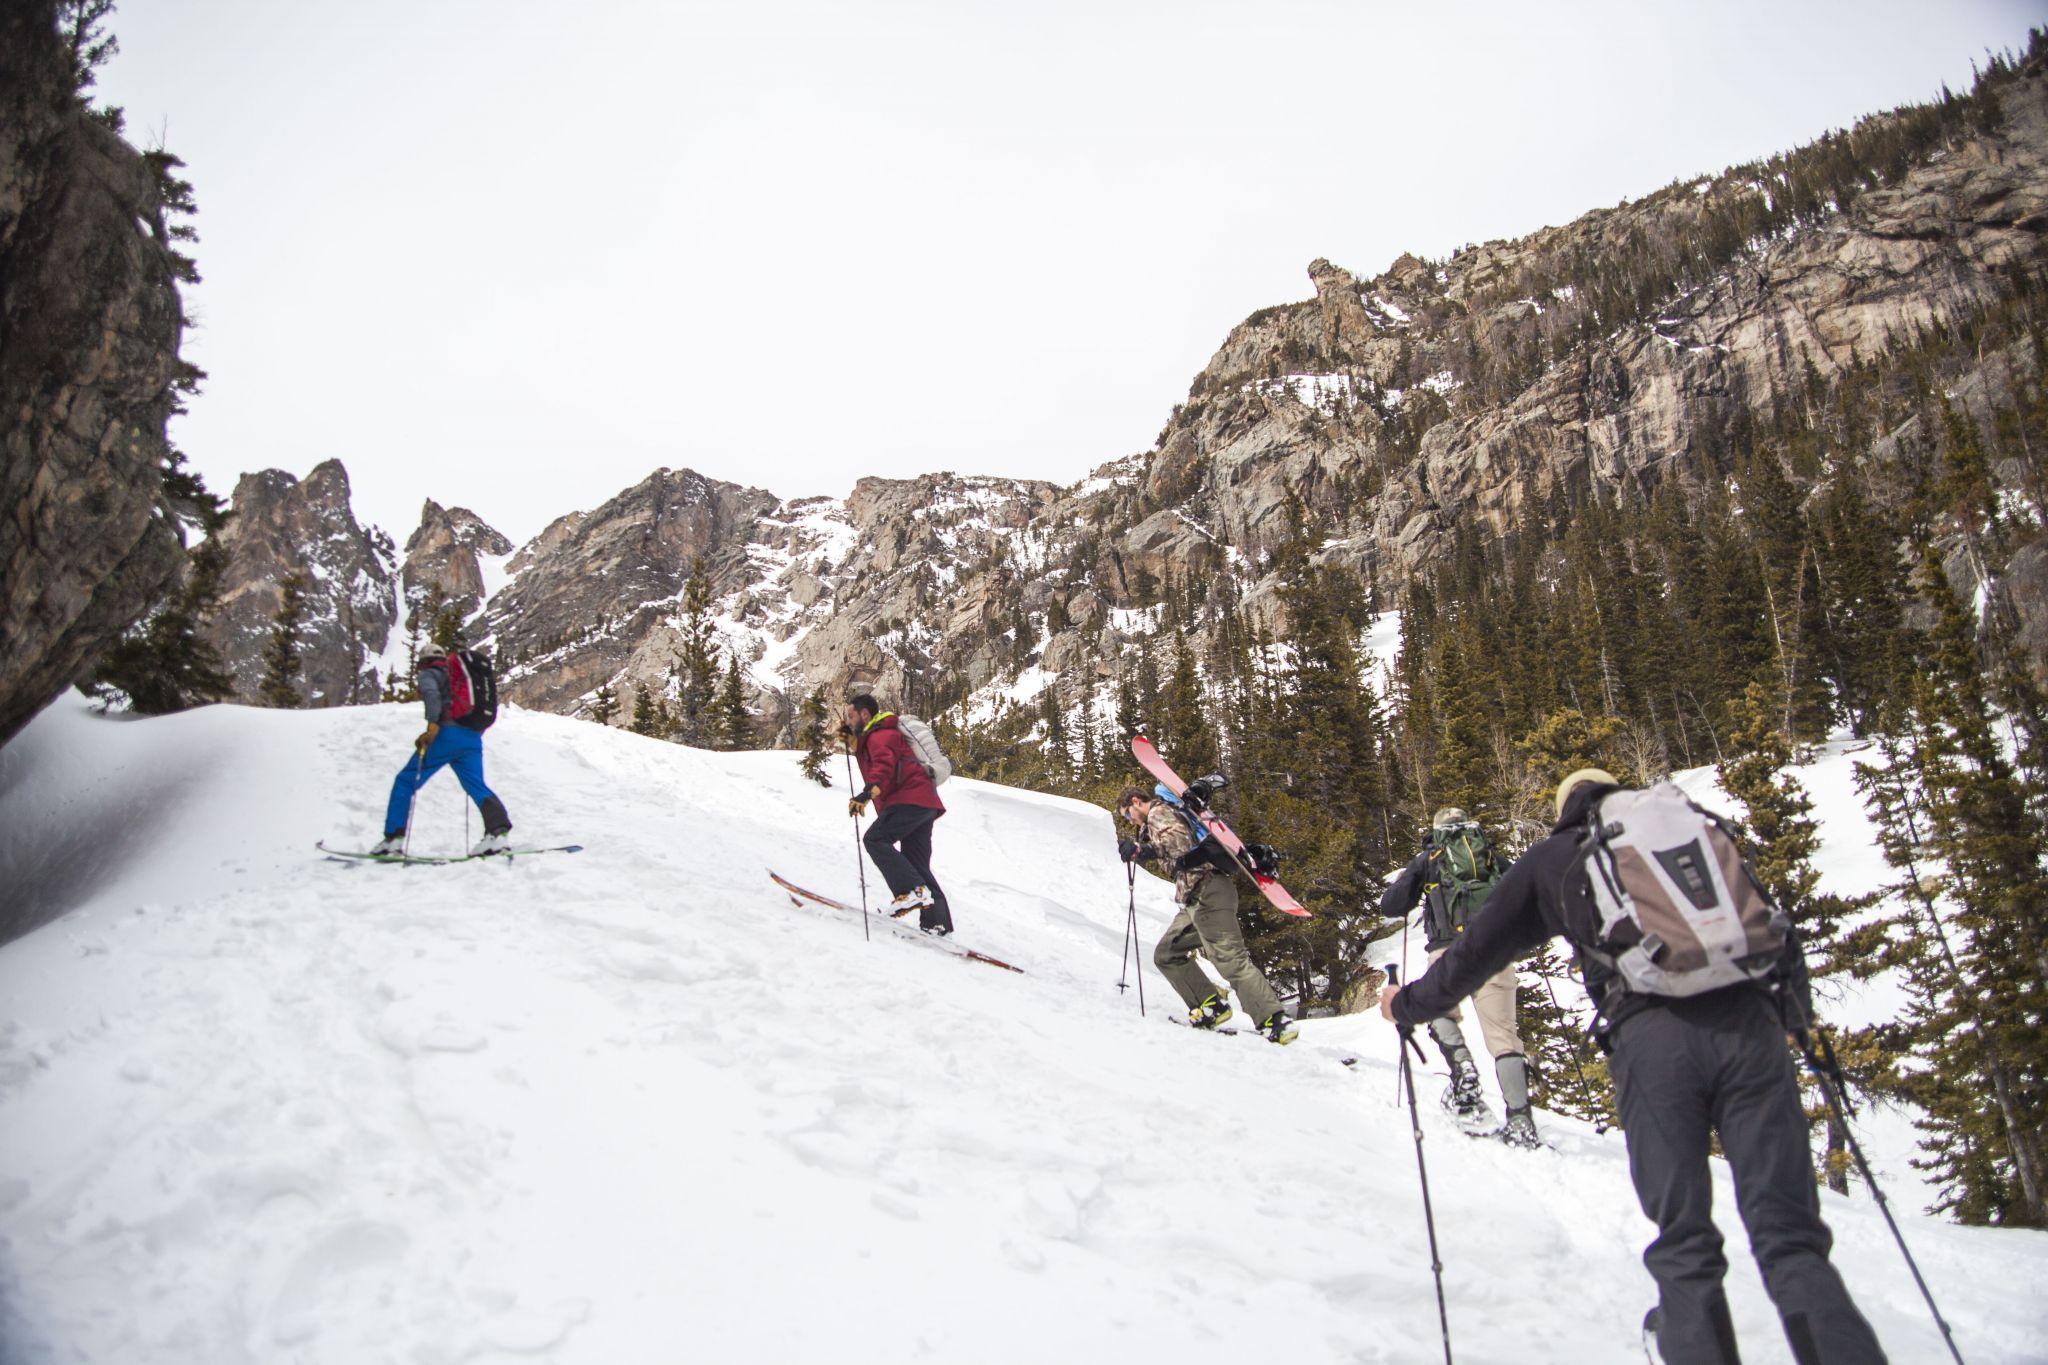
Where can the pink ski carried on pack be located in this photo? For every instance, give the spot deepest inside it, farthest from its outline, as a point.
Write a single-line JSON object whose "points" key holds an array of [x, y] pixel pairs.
{"points": [[1280, 897]]}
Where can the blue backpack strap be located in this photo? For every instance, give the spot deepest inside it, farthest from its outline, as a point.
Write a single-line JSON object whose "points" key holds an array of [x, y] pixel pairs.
{"points": [[1201, 831]]}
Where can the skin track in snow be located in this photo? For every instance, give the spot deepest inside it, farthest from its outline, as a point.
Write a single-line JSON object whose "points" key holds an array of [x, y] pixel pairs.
{"points": [[800, 894], [508, 854]]}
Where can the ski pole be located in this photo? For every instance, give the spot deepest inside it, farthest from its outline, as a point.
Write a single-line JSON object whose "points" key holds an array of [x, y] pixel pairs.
{"points": [[859, 866], [1585, 1087], [1407, 1074], [1834, 1088], [1134, 947], [1123, 962], [419, 776]]}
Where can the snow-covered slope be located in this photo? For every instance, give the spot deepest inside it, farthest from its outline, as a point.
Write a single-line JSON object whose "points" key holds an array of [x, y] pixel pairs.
{"points": [[630, 1105]]}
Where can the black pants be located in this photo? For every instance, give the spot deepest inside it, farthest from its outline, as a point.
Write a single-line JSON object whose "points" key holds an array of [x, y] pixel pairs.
{"points": [[1719, 1062], [910, 829]]}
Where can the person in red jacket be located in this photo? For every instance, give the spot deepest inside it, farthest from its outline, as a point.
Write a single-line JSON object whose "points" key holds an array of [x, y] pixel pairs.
{"points": [[900, 840]]}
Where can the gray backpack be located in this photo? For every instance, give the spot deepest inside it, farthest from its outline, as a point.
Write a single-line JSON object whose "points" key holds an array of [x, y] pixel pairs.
{"points": [[1679, 911], [926, 745]]}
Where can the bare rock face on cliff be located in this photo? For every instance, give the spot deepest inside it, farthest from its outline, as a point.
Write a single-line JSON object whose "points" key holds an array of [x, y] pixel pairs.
{"points": [[456, 554], [592, 598], [89, 330], [280, 524]]}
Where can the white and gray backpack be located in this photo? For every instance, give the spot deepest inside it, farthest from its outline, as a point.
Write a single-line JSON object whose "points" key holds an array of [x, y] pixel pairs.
{"points": [[1680, 913], [926, 746]]}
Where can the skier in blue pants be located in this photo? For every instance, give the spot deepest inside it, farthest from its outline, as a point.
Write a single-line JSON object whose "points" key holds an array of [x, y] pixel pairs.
{"points": [[443, 744]]}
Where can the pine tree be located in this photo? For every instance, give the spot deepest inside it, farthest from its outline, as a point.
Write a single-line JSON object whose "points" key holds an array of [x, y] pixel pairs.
{"points": [[813, 733], [648, 718], [733, 723], [1783, 838], [604, 707], [281, 665], [1184, 734], [696, 661], [167, 664], [1987, 837]]}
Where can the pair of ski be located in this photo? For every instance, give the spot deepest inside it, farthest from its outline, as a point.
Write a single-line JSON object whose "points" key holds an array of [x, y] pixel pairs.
{"points": [[799, 894], [1279, 896], [344, 855]]}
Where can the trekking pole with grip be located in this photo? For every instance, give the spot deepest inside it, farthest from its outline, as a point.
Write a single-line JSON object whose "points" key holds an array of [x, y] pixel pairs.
{"points": [[1436, 1260], [1832, 1086], [859, 865]]}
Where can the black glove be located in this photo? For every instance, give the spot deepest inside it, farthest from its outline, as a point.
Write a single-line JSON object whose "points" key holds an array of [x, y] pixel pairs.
{"points": [[1264, 857], [1131, 851]]}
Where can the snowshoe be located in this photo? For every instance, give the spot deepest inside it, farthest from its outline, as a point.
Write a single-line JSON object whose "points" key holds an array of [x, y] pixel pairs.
{"points": [[492, 843], [1279, 1028], [1211, 1012], [916, 898], [1464, 1099], [1519, 1130]]}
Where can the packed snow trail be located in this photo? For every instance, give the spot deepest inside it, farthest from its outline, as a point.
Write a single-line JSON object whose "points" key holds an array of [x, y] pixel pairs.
{"points": [[632, 1106]]}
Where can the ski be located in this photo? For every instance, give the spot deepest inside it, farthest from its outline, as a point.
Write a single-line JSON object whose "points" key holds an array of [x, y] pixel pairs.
{"points": [[1280, 897], [345, 855], [800, 894]]}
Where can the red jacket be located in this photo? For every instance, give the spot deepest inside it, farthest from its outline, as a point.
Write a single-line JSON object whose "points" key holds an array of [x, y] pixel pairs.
{"points": [[890, 765]]}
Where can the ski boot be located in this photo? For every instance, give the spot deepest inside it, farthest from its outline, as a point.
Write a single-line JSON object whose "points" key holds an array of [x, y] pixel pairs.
{"points": [[1463, 1097], [1212, 1012], [936, 930], [916, 898], [1519, 1130], [500, 842], [1650, 1351], [1279, 1028], [390, 846]]}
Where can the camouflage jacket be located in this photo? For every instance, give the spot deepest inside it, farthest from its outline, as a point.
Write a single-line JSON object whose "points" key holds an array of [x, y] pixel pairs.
{"points": [[1167, 831]]}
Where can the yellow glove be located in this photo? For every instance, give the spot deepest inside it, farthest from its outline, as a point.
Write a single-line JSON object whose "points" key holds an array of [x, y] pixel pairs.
{"points": [[427, 736], [858, 806]]}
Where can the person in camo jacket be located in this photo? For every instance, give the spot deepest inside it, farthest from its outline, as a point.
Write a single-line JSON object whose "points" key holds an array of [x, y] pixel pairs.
{"points": [[1207, 922]]}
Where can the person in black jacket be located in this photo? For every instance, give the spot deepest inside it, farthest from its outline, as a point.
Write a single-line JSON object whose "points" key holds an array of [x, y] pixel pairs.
{"points": [[1714, 1063]]}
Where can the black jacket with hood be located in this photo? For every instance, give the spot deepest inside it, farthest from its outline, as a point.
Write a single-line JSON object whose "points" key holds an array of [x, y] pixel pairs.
{"points": [[1543, 896]]}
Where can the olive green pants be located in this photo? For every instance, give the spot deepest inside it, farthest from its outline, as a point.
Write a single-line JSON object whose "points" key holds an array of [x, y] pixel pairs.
{"points": [[1208, 925]]}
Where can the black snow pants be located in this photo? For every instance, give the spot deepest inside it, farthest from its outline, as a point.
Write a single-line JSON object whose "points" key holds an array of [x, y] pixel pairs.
{"points": [[1719, 1062], [909, 827]]}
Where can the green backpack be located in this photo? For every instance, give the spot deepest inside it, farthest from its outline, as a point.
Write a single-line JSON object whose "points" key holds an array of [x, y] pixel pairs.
{"points": [[1464, 869]]}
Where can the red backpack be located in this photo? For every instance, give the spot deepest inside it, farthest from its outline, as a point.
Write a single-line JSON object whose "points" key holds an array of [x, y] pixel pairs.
{"points": [[472, 688]]}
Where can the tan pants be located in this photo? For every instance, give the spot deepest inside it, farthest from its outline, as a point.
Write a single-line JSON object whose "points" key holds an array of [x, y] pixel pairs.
{"points": [[1208, 925], [1495, 1002]]}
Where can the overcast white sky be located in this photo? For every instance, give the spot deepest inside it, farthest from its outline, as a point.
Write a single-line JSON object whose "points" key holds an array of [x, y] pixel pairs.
{"points": [[516, 254]]}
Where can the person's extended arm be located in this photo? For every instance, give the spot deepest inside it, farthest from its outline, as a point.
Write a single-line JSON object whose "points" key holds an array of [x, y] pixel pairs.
{"points": [[1509, 925]]}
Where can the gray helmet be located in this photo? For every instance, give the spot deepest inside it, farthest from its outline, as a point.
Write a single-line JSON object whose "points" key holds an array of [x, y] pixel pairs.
{"points": [[1449, 817]]}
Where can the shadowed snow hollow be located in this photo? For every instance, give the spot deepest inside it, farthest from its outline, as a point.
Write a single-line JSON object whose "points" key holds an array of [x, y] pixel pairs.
{"points": [[631, 1105]]}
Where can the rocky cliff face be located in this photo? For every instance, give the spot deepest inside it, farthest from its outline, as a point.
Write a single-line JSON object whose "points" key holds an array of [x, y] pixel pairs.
{"points": [[280, 524], [1386, 416], [89, 330], [448, 555]]}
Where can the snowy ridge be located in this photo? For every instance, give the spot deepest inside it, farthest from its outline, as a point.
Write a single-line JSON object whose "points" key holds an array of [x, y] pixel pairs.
{"points": [[633, 1106]]}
